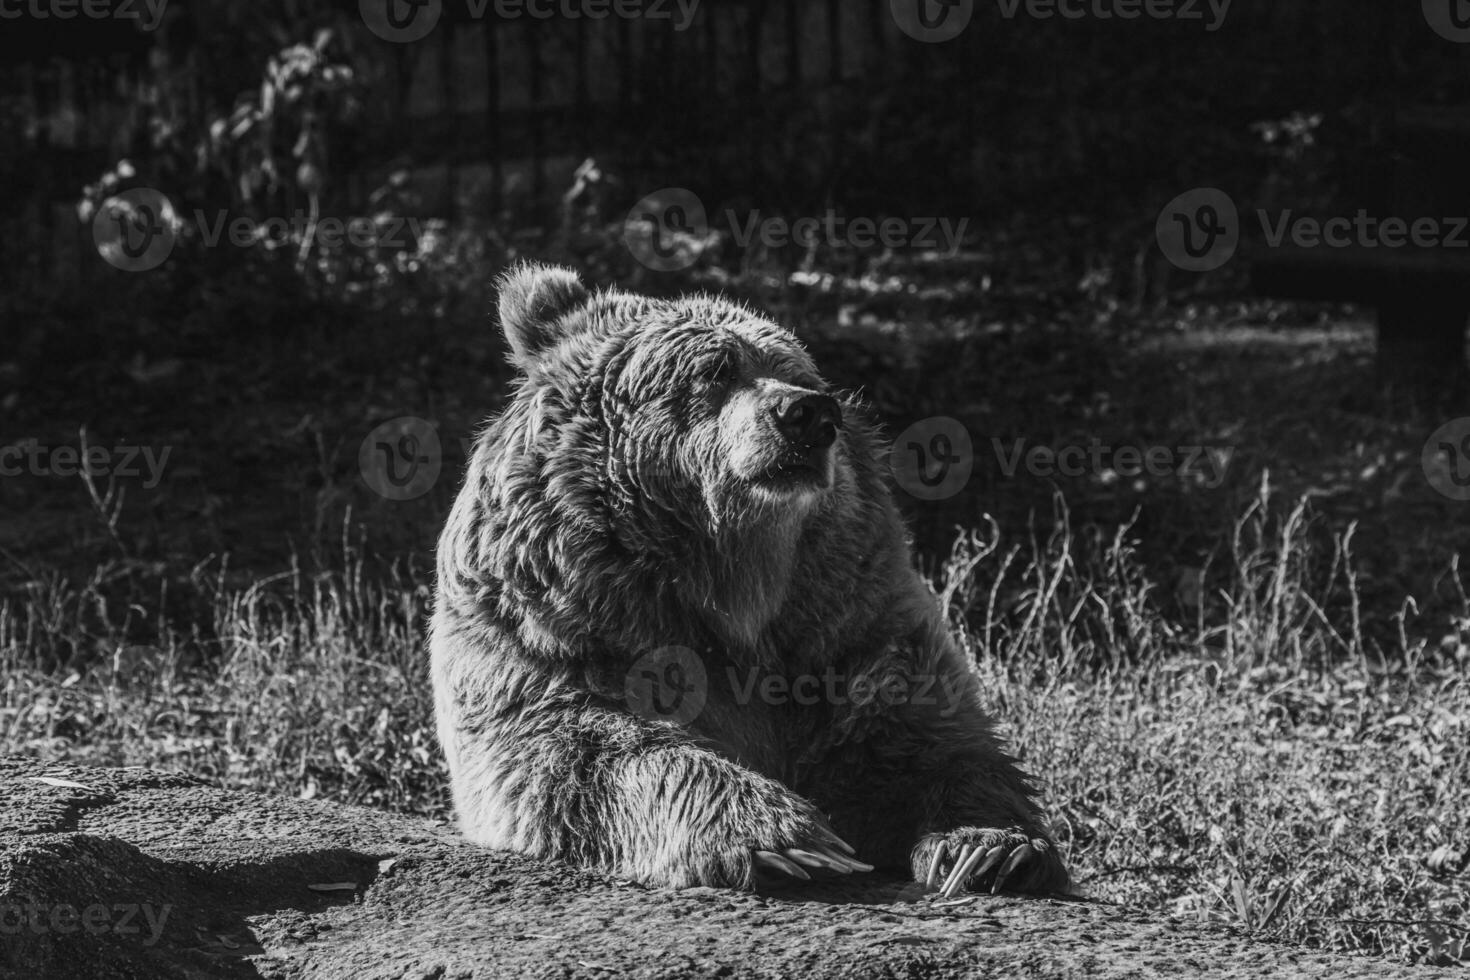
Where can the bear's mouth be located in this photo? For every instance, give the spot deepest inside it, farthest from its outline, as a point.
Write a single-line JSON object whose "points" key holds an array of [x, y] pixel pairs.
{"points": [[810, 470]]}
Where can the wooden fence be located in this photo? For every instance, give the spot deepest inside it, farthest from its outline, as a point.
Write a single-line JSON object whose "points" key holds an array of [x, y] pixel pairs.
{"points": [[486, 111], [761, 98]]}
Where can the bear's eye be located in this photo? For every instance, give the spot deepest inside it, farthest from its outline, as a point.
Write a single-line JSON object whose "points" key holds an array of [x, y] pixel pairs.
{"points": [[720, 372]]}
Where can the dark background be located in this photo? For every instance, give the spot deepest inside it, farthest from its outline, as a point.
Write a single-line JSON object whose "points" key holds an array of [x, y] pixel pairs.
{"points": [[1058, 140], [1056, 320]]}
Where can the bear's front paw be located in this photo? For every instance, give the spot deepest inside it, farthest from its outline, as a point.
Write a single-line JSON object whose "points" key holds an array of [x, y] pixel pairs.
{"points": [[805, 842], [969, 857], [774, 837]]}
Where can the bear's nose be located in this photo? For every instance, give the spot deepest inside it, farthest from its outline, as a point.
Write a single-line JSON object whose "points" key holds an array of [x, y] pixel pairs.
{"points": [[809, 421]]}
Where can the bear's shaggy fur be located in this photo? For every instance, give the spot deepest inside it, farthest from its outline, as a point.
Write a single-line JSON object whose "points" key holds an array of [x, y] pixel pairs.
{"points": [[673, 475]]}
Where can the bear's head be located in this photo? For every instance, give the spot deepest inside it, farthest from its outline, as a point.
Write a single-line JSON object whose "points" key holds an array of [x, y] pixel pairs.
{"points": [[688, 416], [674, 469]]}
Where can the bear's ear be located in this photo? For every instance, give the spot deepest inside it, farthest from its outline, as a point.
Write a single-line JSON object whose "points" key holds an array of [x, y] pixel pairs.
{"points": [[534, 300]]}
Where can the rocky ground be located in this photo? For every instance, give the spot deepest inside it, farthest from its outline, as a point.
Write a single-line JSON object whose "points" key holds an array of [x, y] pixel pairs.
{"points": [[137, 873]]}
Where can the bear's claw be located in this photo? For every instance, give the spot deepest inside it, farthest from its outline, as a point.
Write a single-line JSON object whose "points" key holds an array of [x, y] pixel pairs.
{"points": [[968, 864], [834, 839], [933, 875], [813, 855], [1017, 856], [777, 862], [992, 857], [955, 872], [825, 857], [964, 868]]}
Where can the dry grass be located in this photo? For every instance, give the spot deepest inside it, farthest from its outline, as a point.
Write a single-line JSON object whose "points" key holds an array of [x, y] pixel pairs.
{"points": [[309, 685], [1261, 764]]}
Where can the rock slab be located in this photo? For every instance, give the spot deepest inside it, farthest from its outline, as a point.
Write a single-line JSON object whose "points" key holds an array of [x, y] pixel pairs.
{"points": [[133, 873]]}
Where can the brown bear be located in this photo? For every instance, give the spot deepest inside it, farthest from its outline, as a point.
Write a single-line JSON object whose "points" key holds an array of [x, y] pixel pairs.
{"points": [[677, 632]]}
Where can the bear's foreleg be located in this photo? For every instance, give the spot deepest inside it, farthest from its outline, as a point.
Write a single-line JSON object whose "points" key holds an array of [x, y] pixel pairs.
{"points": [[939, 795], [602, 788]]}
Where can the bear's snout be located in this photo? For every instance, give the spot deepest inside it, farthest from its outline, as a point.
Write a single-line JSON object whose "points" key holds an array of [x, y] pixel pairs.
{"points": [[808, 421]]}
